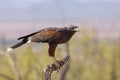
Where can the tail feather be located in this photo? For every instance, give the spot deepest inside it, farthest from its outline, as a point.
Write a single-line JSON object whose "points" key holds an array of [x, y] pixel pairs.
{"points": [[17, 45]]}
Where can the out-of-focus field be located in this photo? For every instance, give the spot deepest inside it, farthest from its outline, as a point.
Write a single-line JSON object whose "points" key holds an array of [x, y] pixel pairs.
{"points": [[91, 59]]}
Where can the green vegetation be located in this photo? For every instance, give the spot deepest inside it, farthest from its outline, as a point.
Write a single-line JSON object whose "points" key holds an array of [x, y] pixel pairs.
{"points": [[91, 59]]}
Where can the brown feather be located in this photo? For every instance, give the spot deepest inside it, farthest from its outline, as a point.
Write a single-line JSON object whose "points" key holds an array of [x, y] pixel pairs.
{"points": [[51, 50]]}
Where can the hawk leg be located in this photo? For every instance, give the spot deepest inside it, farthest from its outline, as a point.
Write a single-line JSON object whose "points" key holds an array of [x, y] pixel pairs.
{"points": [[52, 48]]}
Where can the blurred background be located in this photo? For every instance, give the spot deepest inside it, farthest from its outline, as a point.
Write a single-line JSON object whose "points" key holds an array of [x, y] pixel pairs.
{"points": [[95, 50]]}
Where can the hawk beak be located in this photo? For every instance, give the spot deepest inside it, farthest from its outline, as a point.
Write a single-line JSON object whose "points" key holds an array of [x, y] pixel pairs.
{"points": [[77, 29]]}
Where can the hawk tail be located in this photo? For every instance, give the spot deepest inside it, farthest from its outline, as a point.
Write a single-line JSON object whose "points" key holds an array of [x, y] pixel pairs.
{"points": [[17, 45]]}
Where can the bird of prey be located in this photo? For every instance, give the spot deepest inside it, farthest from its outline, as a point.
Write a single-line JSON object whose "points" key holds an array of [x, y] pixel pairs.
{"points": [[53, 36]]}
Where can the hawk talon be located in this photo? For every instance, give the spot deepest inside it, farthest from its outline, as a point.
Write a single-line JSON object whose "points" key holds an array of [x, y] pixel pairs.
{"points": [[58, 66]]}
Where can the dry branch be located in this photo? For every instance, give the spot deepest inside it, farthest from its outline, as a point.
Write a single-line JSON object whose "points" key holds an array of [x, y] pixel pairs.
{"points": [[63, 72], [50, 68]]}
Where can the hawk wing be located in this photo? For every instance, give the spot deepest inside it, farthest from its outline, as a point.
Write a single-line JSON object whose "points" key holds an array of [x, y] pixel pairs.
{"points": [[26, 36], [40, 32], [45, 36]]}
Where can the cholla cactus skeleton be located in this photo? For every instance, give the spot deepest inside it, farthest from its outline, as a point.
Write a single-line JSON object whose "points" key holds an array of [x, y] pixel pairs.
{"points": [[50, 68]]}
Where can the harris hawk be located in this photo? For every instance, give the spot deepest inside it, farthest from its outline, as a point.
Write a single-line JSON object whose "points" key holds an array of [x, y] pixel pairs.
{"points": [[53, 36]]}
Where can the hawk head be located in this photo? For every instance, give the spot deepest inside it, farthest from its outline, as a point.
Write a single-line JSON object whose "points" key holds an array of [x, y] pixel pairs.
{"points": [[73, 28]]}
